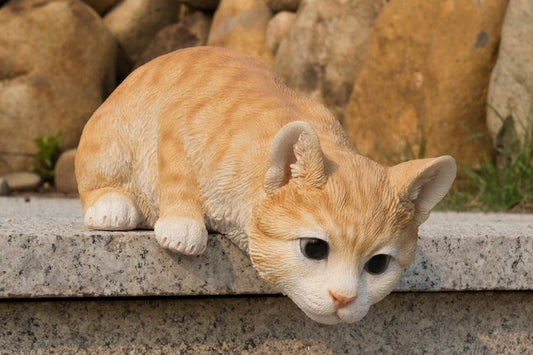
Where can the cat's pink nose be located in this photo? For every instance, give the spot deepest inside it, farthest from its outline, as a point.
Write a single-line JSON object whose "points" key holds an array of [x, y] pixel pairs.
{"points": [[341, 301]]}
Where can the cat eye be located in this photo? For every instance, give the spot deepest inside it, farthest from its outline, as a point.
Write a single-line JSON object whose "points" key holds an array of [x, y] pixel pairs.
{"points": [[377, 264], [314, 248]]}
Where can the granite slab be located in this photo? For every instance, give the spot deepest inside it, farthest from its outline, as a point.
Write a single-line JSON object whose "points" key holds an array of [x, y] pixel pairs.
{"points": [[403, 323], [45, 251]]}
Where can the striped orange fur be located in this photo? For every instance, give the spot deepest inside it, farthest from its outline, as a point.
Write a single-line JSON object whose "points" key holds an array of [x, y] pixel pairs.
{"points": [[208, 138]]}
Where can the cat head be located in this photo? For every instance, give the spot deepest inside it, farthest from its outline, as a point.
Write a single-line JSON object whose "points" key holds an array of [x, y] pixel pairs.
{"points": [[334, 233]]}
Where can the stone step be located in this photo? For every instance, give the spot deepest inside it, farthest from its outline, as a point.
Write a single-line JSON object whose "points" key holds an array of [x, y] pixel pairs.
{"points": [[403, 323], [45, 251], [67, 289]]}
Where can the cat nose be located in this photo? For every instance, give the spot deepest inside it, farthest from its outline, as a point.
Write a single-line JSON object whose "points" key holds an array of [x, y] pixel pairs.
{"points": [[341, 301]]}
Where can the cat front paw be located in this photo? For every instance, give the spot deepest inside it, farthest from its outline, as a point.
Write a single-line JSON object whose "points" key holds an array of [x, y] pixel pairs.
{"points": [[112, 211], [181, 235]]}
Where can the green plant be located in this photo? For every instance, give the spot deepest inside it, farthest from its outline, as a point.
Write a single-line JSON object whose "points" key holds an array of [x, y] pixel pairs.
{"points": [[409, 150], [458, 200], [47, 155], [506, 182]]}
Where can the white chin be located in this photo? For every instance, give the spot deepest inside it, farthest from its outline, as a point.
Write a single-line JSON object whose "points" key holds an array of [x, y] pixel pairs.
{"points": [[324, 319], [347, 317], [343, 317]]}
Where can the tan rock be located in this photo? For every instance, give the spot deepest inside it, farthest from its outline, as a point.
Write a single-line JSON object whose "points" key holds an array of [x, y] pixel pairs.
{"points": [[278, 28], [325, 49], [283, 5], [241, 25], [50, 79], [422, 89], [209, 5], [64, 177], [511, 83], [198, 23], [22, 181], [191, 31], [101, 6], [134, 23]]}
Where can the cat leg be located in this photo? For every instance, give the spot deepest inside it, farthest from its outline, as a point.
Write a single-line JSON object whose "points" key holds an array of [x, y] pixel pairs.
{"points": [[110, 209], [180, 226], [103, 169]]}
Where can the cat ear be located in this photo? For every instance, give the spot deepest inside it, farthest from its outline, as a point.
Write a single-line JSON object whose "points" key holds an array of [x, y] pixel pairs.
{"points": [[424, 182], [295, 154]]}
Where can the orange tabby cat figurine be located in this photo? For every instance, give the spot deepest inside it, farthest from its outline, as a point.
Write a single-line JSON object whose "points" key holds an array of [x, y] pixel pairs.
{"points": [[209, 139]]}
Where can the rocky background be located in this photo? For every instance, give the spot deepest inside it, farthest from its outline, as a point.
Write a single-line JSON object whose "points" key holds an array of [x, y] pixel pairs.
{"points": [[407, 78]]}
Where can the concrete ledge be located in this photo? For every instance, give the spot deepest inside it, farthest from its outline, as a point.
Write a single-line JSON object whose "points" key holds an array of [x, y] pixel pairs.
{"points": [[403, 323], [46, 252]]}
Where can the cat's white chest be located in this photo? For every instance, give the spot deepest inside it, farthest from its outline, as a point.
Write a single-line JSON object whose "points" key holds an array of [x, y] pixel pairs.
{"points": [[228, 215]]}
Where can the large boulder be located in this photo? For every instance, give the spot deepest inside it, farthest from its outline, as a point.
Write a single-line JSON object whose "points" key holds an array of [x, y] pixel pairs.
{"points": [[134, 23], [511, 83], [209, 5], [325, 49], [101, 6], [422, 89], [191, 31], [278, 28], [57, 65], [283, 5], [242, 25]]}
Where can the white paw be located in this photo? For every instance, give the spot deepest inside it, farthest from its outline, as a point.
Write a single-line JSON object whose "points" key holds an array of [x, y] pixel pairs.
{"points": [[112, 211], [182, 235]]}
